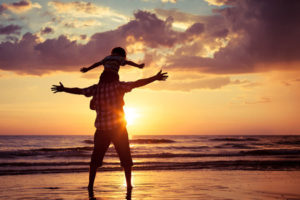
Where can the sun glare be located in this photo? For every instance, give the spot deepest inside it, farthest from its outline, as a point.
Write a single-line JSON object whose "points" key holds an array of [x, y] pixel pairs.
{"points": [[131, 114]]}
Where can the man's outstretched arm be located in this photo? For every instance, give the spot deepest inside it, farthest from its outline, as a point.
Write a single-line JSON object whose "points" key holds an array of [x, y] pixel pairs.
{"points": [[61, 88], [158, 77]]}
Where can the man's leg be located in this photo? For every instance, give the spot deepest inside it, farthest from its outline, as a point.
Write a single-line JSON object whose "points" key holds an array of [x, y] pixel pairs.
{"points": [[121, 143], [101, 144], [92, 176], [128, 177]]}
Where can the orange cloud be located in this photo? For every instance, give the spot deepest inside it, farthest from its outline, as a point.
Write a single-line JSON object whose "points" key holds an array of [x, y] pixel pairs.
{"points": [[85, 9], [21, 6], [217, 2], [171, 1]]}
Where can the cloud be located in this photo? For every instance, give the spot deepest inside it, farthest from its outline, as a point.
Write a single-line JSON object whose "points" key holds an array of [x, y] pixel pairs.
{"points": [[80, 23], [2, 9], [241, 100], [290, 82], [19, 7], [171, 1], [261, 35], [241, 37], [259, 101], [85, 9], [10, 29], [193, 84], [47, 30], [33, 56], [217, 2]]}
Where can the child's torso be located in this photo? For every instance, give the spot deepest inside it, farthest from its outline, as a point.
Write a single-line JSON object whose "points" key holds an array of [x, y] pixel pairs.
{"points": [[113, 63]]}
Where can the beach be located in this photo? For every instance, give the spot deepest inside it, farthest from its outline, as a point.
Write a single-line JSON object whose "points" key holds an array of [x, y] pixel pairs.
{"points": [[154, 185], [165, 167]]}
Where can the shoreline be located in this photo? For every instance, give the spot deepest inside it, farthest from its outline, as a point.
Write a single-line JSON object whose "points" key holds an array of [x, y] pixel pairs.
{"points": [[145, 169], [158, 184]]}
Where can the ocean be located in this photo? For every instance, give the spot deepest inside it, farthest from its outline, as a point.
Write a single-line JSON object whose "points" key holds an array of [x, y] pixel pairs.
{"points": [[71, 153]]}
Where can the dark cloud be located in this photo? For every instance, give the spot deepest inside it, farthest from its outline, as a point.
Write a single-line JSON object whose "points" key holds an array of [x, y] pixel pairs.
{"points": [[21, 3], [2, 9], [47, 30], [243, 37], [214, 25], [18, 7], [266, 34], [83, 37], [29, 55], [196, 28], [10, 29]]}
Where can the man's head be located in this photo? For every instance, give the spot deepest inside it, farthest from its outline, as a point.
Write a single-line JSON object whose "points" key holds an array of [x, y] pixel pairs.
{"points": [[119, 51], [108, 76]]}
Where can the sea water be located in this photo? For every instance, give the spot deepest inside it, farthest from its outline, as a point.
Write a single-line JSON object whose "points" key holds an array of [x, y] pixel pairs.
{"points": [[71, 153]]}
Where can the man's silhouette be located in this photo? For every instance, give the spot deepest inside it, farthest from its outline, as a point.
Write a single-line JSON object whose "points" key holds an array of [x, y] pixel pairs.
{"points": [[110, 122]]}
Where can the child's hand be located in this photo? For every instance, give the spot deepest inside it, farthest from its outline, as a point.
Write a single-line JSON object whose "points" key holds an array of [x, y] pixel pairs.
{"points": [[84, 69], [142, 65]]}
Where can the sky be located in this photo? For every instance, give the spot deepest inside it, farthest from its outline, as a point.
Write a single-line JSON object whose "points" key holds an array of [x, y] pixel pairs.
{"points": [[234, 66]]}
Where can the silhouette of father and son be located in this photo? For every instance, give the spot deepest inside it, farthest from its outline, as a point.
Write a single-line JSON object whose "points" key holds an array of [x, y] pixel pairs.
{"points": [[107, 101]]}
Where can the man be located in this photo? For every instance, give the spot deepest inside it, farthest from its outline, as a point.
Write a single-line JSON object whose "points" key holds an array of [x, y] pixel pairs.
{"points": [[110, 122]]}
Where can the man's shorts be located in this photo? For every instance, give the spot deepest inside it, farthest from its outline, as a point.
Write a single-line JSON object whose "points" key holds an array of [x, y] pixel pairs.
{"points": [[102, 140]]}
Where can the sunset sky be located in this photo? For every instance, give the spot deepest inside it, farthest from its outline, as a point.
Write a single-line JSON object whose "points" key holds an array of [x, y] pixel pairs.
{"points": [[234, 65]]}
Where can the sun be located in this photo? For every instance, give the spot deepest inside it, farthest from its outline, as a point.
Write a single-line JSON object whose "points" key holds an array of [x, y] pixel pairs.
{"points": [[131, 114]]}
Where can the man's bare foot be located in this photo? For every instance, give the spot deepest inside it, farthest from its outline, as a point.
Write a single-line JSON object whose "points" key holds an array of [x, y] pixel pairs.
{"points": [[91, 192], [129, 192]]}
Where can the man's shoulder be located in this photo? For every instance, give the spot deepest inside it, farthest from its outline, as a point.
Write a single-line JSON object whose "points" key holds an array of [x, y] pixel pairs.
{"points": [[124, 86], [92, 86], [89, 91]]}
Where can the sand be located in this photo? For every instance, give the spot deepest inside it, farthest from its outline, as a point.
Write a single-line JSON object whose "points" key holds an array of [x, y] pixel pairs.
{"points": [[156, 185]]}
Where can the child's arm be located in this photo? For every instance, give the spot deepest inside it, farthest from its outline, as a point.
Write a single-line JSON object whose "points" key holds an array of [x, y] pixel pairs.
{"points": [[127, 62], [85, 69]]}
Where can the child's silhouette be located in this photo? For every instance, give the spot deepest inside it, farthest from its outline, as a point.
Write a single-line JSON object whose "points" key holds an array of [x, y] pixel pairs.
{"points": [[112, 64]]}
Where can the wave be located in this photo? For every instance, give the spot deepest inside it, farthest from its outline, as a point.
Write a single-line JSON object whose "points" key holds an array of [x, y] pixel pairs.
{"points": [[267, 152], [151, 141], [185, 147], [297, 142], [212, 165], [235, 139], [48, 152], [234, 146], [141, 141], [88, 141], [79, 152]]}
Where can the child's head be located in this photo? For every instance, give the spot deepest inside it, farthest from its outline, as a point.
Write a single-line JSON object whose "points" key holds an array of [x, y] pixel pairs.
{"points": [[118, 51]]}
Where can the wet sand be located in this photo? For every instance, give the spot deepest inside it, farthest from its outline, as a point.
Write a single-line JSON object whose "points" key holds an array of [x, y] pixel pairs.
{"points": [[156, 185]]}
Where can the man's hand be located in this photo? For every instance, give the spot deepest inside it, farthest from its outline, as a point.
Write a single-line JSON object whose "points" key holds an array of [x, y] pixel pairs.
{"points": [[58, 88], [141, 66], [161, 76], [84, 69]]}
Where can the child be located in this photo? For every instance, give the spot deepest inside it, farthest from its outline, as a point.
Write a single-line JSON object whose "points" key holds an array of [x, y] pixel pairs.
{"points": [[112, 65]]}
